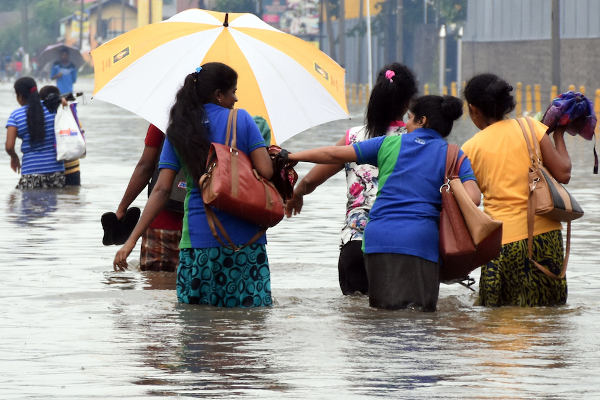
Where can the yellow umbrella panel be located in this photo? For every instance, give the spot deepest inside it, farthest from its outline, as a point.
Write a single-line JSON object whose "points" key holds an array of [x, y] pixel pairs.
{"points": [[282, 78]]}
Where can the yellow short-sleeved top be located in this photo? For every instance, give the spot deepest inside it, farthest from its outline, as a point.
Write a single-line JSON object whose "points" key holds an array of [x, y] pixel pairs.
{"points": [[501, 163]]}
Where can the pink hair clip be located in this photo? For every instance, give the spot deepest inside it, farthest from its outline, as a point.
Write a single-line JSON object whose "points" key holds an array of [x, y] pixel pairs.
{"points": [[389, 74]]}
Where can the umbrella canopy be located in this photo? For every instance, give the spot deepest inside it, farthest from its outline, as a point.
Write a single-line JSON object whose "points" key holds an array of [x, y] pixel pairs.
{"points": [[52, 54], [282, 78]]}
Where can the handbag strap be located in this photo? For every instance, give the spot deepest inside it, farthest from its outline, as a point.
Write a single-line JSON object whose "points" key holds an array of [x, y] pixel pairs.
{"points": [[214, 224], [536, 163], [231, 129], [451, 156]]}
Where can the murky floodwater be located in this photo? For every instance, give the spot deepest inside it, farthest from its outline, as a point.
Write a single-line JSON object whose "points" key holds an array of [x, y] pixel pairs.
{"points": [[72, 328]]}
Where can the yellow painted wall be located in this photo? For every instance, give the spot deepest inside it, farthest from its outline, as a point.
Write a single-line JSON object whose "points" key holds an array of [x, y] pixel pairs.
{"points": [[109, 11], [352, 8], [144, 11]]}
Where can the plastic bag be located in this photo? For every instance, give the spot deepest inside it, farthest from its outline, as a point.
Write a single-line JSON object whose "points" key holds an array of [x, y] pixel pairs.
{"points": [[70, 144]]}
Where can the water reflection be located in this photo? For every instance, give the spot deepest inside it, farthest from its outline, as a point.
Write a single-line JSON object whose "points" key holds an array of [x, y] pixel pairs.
{"points": [[29, 206]]}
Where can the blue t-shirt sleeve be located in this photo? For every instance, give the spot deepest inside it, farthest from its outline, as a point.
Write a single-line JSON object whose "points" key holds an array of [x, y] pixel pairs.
{"points": [[466, 171], [168, 157], [12, 121], [252, 139], [366, 152]]}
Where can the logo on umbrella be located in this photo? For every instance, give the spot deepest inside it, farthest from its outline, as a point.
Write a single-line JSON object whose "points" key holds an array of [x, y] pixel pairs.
{"points": [[321, 72], [121, 55]]}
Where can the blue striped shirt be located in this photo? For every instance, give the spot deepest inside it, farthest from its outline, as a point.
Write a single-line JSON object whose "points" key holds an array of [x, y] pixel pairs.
{"points": [[39, 158]]}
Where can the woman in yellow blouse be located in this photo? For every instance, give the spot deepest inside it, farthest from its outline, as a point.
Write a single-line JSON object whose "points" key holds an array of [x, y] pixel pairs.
{"points": [[500, 160]]}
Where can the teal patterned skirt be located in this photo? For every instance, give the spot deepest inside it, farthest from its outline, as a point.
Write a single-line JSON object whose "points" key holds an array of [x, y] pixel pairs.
{"points": [[221, 277], [510, 280]]}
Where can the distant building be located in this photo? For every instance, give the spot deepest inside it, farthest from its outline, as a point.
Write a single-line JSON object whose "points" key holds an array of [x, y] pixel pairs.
{"points": [[513, 39], [116, 19]]}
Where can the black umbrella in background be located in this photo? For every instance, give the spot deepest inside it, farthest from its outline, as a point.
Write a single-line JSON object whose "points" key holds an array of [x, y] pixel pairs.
{"points": [[52, 54]]}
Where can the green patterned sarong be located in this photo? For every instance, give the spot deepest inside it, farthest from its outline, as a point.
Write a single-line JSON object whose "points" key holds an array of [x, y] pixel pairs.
{"points": [[510, 280], [221, 277]]}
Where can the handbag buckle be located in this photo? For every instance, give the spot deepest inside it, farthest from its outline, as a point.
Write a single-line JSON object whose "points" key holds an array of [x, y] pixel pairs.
{"points": [[535, 181], [231, 150], [446, 185]]}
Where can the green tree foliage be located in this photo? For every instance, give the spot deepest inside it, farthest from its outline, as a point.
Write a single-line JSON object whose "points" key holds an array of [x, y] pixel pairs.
{"points": [[236, 6], [10, 5], [43, 24]]}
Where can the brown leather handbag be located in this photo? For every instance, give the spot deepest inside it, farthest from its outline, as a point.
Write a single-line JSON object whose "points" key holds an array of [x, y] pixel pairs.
{"points": [[469, 238], [547, 197], [231, 184]]}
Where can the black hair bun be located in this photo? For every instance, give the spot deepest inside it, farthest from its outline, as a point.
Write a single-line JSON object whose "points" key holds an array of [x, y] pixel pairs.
{"points": [[452, 107], [499, 89]]}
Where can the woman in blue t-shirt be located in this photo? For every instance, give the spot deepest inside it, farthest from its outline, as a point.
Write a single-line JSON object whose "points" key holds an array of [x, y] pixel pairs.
{"points": [[34, 125], [401, 239], [209, 273]]}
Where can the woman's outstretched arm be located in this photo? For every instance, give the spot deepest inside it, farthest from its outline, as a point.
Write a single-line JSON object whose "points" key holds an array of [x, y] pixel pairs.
{"points": [[315, 177], [326, 155]]}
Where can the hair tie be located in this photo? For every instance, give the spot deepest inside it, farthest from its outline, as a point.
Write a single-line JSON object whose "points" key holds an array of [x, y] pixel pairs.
{"points": [[33, 89], [198, 70], [389, 74]]}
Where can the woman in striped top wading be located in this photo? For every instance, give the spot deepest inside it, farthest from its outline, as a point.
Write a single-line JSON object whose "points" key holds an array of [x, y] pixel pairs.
{"points": [[34, 125]]}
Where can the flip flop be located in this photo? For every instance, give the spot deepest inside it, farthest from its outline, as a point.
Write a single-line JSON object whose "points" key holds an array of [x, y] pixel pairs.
{"points": [[126, 225], [109, 224]]}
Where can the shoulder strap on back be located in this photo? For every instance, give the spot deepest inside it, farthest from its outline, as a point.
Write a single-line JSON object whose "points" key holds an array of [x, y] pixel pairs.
{"points": [[451, 158]]}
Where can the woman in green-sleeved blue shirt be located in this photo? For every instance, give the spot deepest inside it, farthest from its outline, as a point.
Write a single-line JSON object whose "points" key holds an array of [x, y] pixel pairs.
{"points": [[401, 240]]}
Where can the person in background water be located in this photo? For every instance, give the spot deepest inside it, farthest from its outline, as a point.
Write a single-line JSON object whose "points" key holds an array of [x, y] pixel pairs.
{"points": [[2, 68], [34, 125], [160, 242], [51, 98], [396, 85], [65, 72], [209, 273], [501, 163], [401, 238]]}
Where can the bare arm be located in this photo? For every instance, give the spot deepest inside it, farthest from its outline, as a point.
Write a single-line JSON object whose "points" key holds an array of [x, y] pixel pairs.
{"points": [[556, 157], [473, 191], [139, 179], [315, 177], [326, 155], [157, 201], [11, 139], [261, 161]]}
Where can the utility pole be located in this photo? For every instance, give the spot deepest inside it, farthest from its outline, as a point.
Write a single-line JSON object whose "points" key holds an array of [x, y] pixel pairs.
{"points": [[342, 32], [24, 19], [400, 31], [361, 7], [99, 23], [149, 11], [81, 27], [459, 62], [556, 44], [122, 16], [442, 58]]}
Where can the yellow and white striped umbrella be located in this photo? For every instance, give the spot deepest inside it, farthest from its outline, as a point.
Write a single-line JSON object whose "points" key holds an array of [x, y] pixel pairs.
{"points": [[282, 78]]}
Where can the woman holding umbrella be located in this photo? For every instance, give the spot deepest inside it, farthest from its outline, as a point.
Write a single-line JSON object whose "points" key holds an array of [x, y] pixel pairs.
{"points": [[209, 273]]}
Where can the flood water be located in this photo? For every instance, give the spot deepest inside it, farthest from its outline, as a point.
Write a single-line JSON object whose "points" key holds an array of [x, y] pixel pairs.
{"points": [[71, 328]]}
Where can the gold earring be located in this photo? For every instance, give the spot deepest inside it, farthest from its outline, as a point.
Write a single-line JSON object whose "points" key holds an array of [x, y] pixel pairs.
{"points": [[219, 100]]}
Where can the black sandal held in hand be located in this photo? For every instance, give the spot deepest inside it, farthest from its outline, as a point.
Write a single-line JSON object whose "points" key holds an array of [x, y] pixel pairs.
{"points": [[117, 231]]}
